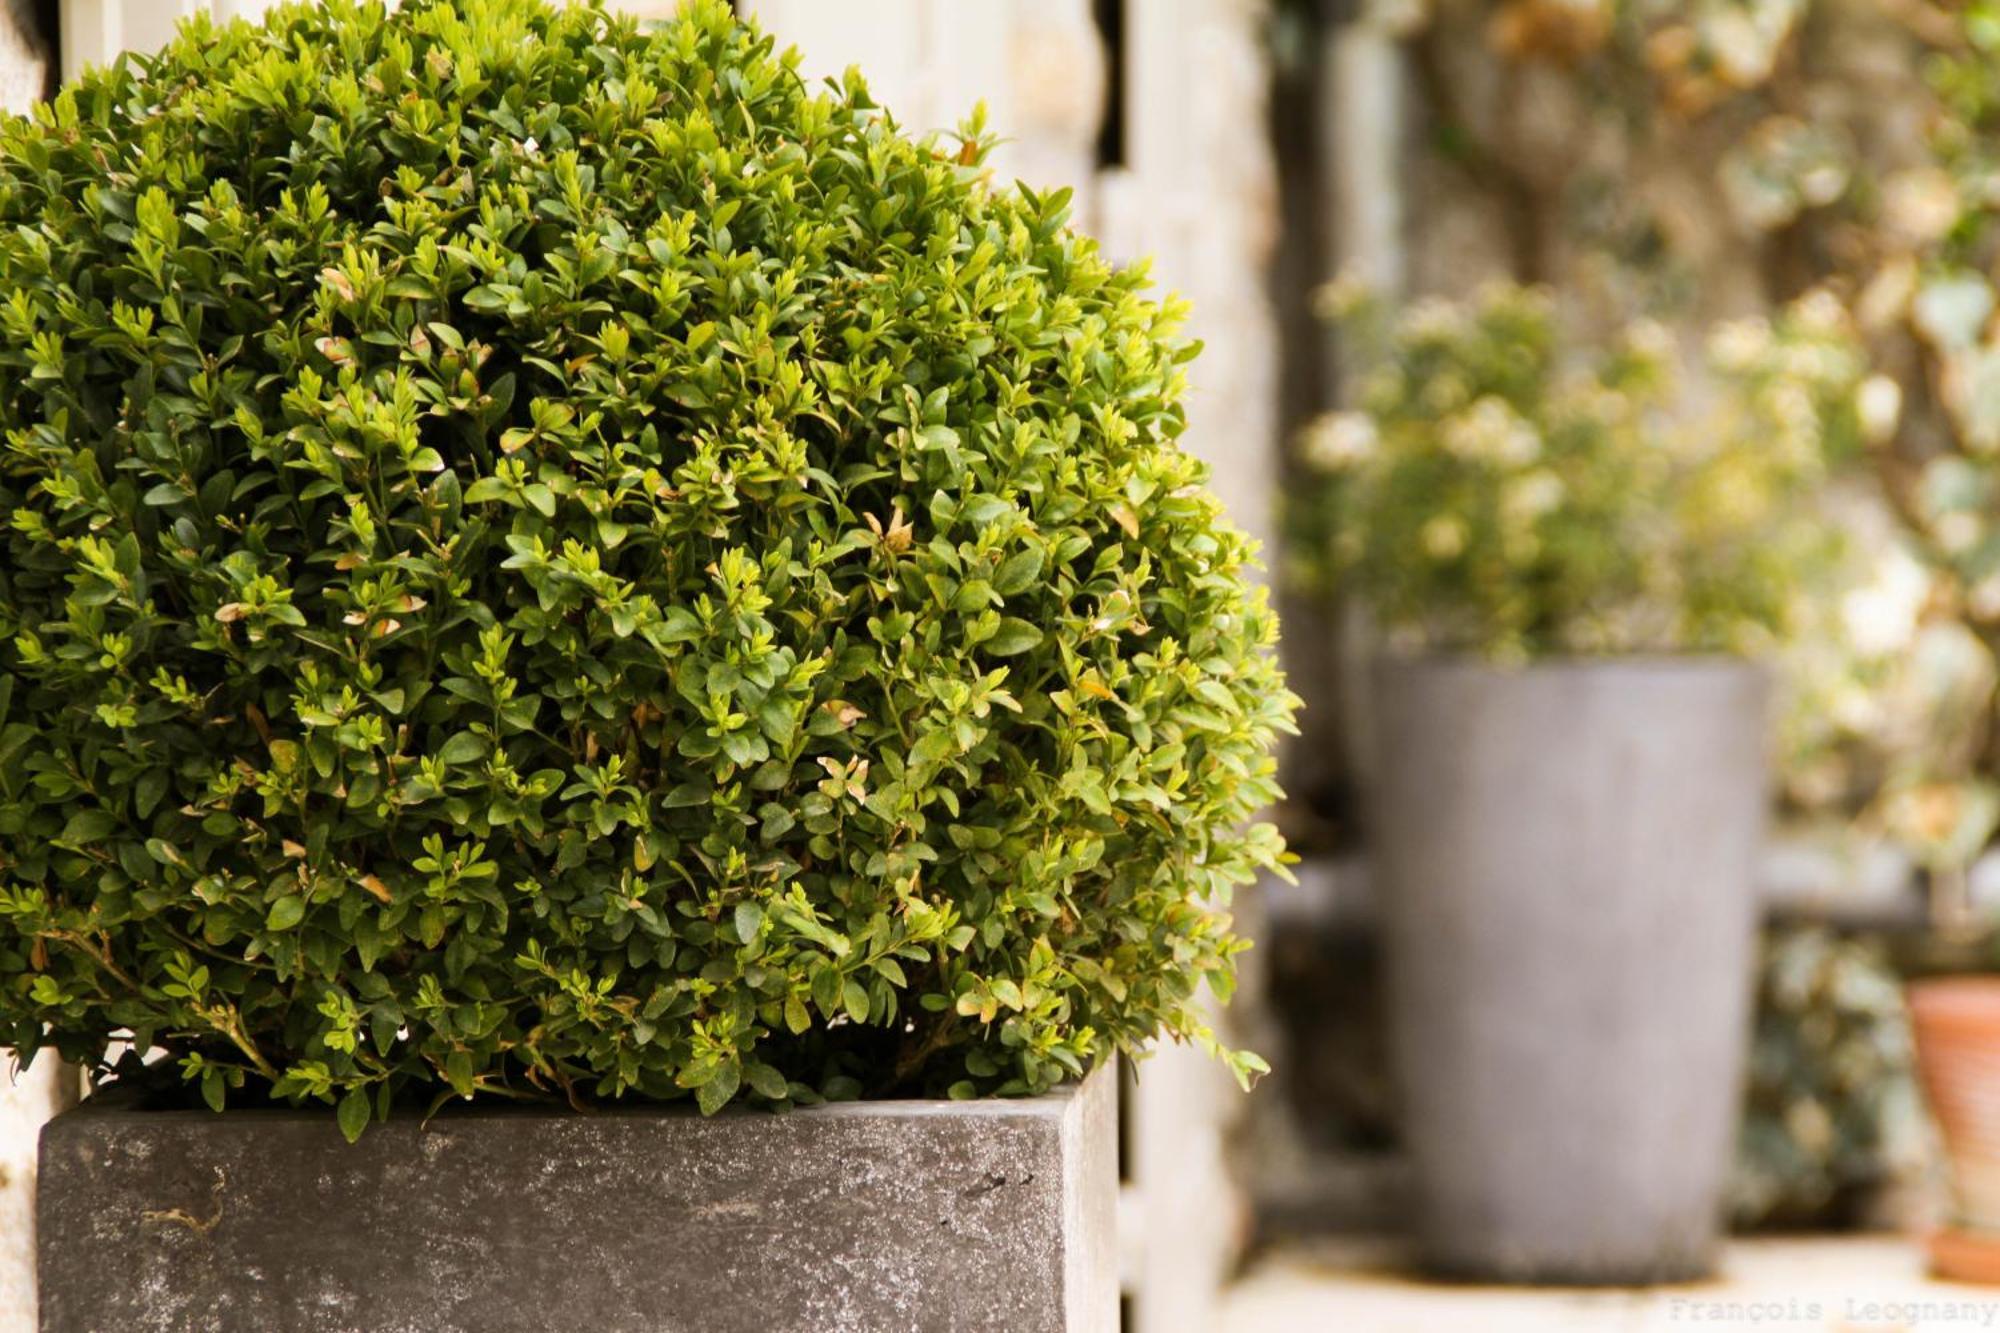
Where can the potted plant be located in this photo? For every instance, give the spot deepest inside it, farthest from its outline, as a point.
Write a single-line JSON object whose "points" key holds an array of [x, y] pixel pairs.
{"points": [[549, 565], [1569, 573]]}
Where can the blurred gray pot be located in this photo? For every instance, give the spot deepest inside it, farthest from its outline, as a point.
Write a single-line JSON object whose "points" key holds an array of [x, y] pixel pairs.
{"points": [[1567, 859]]}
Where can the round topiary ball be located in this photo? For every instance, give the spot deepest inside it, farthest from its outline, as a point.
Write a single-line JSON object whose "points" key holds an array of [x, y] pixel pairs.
{"points": [[542, 557]]}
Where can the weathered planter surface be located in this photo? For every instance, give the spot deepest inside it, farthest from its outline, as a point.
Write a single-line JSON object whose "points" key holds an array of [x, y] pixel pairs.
{"points": [[1568, 856], [866, 1216]]}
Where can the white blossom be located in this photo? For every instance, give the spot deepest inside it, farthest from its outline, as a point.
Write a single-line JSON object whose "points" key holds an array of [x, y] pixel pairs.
{"points": [[1339, 440], [1492, 431], [1443, 536]]}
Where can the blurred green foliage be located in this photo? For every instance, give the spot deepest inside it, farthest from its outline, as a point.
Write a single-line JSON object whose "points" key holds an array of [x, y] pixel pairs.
{"points": [[1498, 490], [1831, 1110], [1692, 160]]}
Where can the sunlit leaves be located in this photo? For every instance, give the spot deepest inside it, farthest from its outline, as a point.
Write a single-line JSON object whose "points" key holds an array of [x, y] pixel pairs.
{"points": [[551, 561]]}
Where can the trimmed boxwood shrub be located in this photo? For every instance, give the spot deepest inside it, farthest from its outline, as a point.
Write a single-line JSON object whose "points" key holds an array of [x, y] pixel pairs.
{"points": [[544, 558]]}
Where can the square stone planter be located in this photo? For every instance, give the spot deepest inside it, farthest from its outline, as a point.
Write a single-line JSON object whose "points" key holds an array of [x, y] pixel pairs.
{"points": [[869, 1216]]}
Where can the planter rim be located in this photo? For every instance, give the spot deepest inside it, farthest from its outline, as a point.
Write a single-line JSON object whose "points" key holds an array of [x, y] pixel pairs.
{"points": [[1970, 999], [113, 1100]]}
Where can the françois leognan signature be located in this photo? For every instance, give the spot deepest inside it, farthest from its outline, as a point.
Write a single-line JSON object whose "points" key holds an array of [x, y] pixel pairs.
{"points": [[1913, 1314]]}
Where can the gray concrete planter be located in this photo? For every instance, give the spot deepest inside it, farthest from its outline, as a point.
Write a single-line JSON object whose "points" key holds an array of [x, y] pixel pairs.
{"points": [[1568, 856], [866, 1216]]}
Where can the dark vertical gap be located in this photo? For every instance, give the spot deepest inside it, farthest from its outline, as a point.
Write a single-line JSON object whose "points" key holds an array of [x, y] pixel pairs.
{"points": [[1325, 980], [1125, 1100], [1319, 817], [1109, 15], [48, 21], [1123, 1070]]}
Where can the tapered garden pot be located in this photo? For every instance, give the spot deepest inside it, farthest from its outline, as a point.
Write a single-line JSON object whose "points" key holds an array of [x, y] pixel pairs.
{"points": [[1567, 856], [857, 1218], [1956, 1024]]}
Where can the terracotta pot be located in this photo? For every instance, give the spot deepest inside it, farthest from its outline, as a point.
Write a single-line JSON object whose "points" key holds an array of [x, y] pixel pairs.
{"points": [[1956, 1022]]}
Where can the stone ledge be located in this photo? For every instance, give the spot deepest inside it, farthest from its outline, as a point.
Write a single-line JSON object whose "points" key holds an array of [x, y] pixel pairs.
{"points": [[864, 1216]]}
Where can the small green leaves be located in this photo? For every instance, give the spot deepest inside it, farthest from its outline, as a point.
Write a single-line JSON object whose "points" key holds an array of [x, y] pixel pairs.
{"points": [[608, 574]]}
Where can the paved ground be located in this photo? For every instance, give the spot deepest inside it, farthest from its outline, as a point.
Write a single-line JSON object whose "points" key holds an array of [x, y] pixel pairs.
{"points": [[1865, 1284]]}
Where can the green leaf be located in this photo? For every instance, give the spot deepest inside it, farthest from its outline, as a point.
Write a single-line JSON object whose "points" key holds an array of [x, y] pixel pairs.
{"points": [[354, 1113], [1015, 636], [1018, 572], [767, 1081], [287, 912], [716, 1093], [464, 748], [148, 791], [86, 827], [459, 1072], [485, 299], [749, 917], [826, 990]]}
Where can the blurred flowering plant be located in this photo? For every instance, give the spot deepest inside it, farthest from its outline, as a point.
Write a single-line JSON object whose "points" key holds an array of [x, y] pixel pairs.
{"points": [[1697, 52], [1884, 701], [1495, 491], [1696, 158]]}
